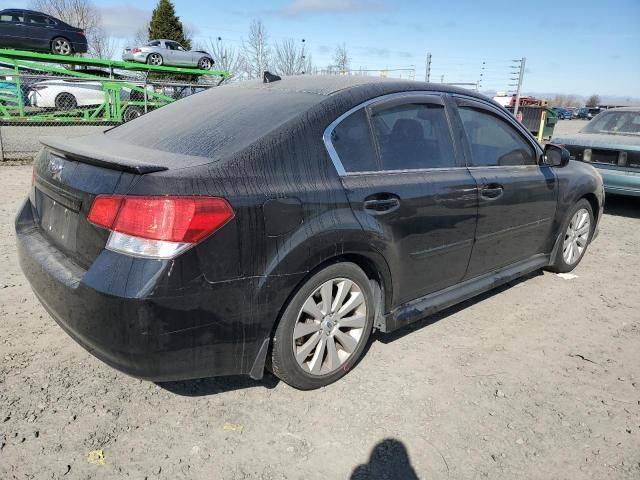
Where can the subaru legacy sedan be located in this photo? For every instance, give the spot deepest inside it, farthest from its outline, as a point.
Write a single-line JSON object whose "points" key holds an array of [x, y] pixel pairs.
{"points": [[281, 223]]}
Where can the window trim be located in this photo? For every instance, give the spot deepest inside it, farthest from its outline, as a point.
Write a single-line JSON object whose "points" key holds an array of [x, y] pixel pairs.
{"points": [[391, 99]]}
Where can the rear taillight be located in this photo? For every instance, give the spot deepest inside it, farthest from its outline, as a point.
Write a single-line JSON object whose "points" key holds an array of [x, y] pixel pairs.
{"points": [[136, 50], [158, 226]]}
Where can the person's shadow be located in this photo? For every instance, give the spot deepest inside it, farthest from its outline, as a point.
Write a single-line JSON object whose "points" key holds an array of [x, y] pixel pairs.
{"points": [[389, 460]]}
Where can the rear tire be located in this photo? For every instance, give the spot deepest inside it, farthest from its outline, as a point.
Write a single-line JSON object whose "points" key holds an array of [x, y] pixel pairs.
{"points": [[61, 46], [131, 113], [205, 63], [155, 59], [577, 228], [66, 101], [324, 328]]}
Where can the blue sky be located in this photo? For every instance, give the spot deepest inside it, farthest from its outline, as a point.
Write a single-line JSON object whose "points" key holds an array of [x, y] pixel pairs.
{"points": [[579, 47]]}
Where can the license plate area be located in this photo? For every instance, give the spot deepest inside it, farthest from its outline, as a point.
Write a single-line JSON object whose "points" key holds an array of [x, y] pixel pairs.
{"points": [[57, 219]]}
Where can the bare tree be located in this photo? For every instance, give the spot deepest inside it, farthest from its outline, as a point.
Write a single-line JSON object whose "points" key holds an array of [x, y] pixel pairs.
{"points": [[226, 57], [102, 45], [593, 101], [341, 58], [141, 36], [291, 59], [82, 14], [257, 52]]}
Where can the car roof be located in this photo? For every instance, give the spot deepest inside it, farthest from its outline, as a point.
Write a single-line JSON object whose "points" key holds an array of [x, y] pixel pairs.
{"points": [[22, 10], [224, 121], [330, 85], [622, 109]]}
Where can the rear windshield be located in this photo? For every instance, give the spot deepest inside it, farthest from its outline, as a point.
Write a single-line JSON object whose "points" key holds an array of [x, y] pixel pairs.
{"points": [[622, 123], [214, 123]]}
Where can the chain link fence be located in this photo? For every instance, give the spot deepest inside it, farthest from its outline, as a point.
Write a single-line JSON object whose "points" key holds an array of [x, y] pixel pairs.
{"points": [[34, 103]]}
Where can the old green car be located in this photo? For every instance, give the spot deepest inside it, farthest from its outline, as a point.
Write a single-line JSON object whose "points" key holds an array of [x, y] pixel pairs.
{"points": [[611, 143]]}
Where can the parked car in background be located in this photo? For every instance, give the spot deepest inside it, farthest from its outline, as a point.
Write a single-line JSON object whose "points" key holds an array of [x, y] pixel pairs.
{"points": [[563, 113], [611, 143], [290, 219], [71, 93], [30, 30], [587, 113], [168, 52]]}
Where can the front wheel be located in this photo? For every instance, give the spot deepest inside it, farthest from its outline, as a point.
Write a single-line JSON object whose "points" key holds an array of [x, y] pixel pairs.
{"points": [[325, 328], [578, 228]]}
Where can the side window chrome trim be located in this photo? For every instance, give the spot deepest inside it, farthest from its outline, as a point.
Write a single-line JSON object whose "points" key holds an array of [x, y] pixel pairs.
{"points": [[405, 170], [326, 136]]}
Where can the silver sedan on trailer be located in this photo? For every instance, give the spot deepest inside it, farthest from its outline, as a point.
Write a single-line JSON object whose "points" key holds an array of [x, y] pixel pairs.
{"points": [[168, 52]]}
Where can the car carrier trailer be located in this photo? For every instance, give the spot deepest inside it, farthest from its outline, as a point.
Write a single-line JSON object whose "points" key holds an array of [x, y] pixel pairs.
{"points": [[20, 69]]}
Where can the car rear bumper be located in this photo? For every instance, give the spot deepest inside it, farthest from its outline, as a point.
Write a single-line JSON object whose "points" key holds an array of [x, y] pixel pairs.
{"points": [[192, 332], [620, 182], [134, 57], [80, 47]]}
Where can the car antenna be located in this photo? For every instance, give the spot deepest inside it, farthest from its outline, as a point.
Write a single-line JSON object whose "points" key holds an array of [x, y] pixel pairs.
{"points": [[268, 77]]}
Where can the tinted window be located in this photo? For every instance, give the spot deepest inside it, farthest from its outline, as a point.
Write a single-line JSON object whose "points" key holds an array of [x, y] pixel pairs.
{"points": [[413, 136], [40, 20], [352, 141], [155, 43], [12, 17], [173, 46], [493, 141]]}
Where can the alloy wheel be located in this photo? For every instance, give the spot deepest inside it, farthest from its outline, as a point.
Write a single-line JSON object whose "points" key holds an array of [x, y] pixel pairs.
{"points": [[329, 326], [61, 46], [576, 237], [205, 64], [155, 59]]}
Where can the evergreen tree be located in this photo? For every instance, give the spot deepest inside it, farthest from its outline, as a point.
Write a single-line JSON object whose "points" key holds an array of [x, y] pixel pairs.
{"points": [[166, 24]]}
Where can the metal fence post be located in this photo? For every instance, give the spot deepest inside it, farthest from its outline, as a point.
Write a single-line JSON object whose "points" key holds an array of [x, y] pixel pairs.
{"points": [[1, 146], [145, 94]]}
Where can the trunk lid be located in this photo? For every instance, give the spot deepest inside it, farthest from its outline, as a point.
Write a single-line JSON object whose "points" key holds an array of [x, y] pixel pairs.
{"points": [[61, 197]]}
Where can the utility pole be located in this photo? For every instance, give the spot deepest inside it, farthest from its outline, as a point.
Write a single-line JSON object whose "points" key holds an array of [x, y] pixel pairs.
{"points": [[428, 72], [522, 62]]}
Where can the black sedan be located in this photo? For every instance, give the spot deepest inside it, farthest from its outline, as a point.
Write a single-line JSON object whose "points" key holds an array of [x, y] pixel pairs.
{"points": [[29, 30], [280, 224]]}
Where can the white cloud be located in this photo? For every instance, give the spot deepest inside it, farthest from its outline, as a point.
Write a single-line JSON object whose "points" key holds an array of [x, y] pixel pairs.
{"points": [[123, 21], [301, 7]]}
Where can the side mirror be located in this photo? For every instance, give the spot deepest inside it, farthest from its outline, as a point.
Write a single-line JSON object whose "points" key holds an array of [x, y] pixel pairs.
{"points": [[555, 155]]}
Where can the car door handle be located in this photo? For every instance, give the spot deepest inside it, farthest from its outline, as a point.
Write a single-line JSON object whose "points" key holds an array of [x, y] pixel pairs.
{"points": [[492, 191], [378, 206]]}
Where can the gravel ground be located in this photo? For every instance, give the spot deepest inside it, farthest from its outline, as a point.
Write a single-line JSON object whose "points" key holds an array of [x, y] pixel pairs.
{"points": [[539, 379], [20, 142]]}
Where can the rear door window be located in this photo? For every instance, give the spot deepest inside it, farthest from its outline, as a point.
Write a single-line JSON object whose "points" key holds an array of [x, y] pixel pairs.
{"points": [[492, 141], [12, 17], [352, 141], [413, 136]]}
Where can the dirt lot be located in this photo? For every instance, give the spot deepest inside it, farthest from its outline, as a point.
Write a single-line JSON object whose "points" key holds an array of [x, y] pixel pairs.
{"points": [[540, 379]]}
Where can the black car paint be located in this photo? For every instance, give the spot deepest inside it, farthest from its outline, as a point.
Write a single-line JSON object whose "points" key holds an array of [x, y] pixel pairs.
{"points": [[212, 310], [27, 36]]}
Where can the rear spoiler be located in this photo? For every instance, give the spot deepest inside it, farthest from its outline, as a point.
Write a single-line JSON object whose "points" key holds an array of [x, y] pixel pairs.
{"points": [[101, 151]]}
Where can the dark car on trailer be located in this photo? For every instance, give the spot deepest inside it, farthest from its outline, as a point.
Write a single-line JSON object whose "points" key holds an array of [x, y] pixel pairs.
{"points": [[280, 224], [37, 31], [611, 143]]}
